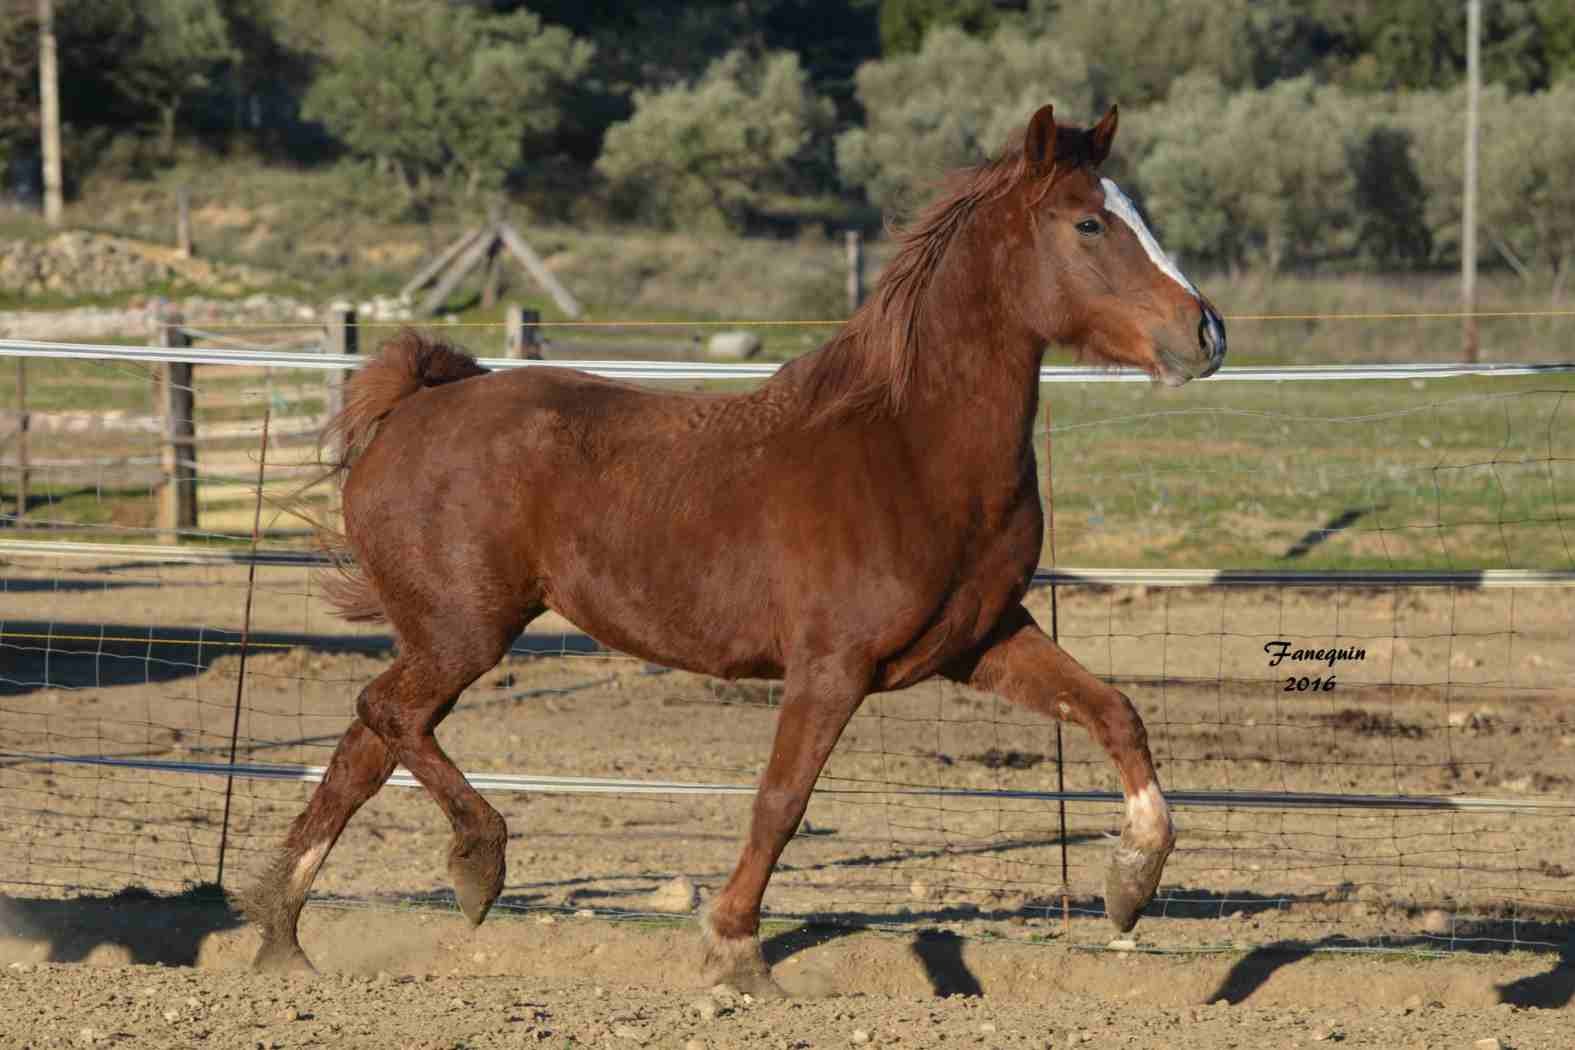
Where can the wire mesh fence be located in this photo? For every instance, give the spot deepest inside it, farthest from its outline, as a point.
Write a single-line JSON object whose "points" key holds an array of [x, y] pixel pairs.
{"points": [[1413, 787]]}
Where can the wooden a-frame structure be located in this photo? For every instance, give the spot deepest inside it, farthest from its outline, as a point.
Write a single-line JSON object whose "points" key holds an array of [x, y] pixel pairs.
{"points": [[484, 244]]}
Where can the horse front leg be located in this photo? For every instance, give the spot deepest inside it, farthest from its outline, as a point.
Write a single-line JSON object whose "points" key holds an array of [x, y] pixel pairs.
{"points": [[1022, 664], [816, 705]]}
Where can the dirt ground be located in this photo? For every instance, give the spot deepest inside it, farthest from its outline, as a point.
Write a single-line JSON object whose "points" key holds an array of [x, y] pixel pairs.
{"points": [[1459, 692], [172, 975]]}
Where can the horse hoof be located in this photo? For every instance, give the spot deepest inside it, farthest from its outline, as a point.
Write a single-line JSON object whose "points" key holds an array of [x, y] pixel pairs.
{"points": [[478, 879], [757, 986], [1131, 881], [736, 962], [276, 957]]}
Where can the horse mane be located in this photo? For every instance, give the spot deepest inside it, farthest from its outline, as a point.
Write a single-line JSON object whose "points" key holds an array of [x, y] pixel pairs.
{"points": [[870, 364]]}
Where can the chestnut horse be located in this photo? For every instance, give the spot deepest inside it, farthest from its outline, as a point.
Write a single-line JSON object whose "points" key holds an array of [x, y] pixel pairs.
{"points": [[867, 519]]}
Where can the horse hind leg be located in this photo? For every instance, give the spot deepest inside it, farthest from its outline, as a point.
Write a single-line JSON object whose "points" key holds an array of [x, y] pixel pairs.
{"points": [[359, 767], [405, 716]]}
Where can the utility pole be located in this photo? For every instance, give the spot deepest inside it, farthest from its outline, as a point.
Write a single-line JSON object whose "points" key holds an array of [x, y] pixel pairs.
{"points": [[49, 111], [1468, 222]]}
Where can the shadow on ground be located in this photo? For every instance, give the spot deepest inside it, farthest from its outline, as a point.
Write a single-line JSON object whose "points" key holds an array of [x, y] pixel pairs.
{"points": [[151, 929], [1550, 990], [48, 654]]}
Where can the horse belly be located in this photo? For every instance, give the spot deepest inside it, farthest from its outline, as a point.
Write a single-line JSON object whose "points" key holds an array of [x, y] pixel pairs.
{"points": [[697, 610]]}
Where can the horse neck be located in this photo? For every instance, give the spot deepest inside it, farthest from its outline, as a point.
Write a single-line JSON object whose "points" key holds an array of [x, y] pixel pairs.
{"points": [[976, 388]]}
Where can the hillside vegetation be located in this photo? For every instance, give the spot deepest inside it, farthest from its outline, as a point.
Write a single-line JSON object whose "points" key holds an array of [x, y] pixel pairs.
{"points": [[701, 159]]}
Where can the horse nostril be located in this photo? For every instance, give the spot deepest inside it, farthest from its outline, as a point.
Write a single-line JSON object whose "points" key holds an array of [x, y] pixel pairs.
{"points": [[1211, 340], [1211, 334]]}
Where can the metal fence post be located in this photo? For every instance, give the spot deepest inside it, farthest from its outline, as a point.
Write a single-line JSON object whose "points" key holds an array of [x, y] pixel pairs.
{"points": [[23, 422]]}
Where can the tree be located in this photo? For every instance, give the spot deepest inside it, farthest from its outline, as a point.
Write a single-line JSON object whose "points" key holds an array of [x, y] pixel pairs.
{"points": [[18, 77], [1140, 46], [715, 145], [955, 102], [1556, 23], [1422, 44], [904, 24], [1528, 197], [176, 48], [1254, 175], [1389, 198], [431, 89]]}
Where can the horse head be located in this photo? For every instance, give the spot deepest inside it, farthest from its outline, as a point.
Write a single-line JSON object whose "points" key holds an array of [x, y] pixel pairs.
{"points": [[1098, 279]]}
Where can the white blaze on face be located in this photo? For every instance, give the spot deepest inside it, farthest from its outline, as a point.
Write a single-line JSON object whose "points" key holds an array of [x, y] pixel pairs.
{"points": [[1122, 208]]}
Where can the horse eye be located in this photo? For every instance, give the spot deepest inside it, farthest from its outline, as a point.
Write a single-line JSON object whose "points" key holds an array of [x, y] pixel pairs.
{"points": [[1090, 227]]}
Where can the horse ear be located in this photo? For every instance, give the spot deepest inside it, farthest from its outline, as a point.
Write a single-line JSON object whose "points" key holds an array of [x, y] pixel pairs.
{"points": [[1039, 141], [1101, 136]]}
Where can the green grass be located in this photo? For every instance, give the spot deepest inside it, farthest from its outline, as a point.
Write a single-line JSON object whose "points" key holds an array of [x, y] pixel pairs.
{"points": [[1469, 473], [1383, 474]]}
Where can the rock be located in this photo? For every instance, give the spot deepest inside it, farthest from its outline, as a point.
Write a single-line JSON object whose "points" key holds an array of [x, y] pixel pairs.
{"points": [[1437, 921], [705, 1009], [986, 1028], [1325, 1033], [1123, 944], [694, 1044], [629, 1032], [733, 346], [860, 1036], [919, 891], [1492, 1042], [676, 897], [289, 1013]]}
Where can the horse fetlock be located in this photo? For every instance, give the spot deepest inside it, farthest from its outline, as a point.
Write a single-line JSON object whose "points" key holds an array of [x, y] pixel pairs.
{"points": [[477, 867]]}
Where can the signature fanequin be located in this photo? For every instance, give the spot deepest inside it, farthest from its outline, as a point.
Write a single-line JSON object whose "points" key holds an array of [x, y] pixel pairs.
{"points": [[1281, 650]]}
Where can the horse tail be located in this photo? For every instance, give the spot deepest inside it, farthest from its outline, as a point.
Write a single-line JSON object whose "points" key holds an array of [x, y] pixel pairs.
{"points": [[406, 363]]}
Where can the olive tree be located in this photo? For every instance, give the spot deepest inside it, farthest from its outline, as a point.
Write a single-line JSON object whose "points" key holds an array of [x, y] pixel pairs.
{"points": [[436, 89], [955, 101], [711, 147], [1256, 175]]}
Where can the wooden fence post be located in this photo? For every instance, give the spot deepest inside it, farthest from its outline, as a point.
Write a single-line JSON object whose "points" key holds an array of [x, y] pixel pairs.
{"points": [[492, 281], [521, 337], [178, 457], [341, 336], [23, 421], [183, 222], [855, 248]]}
